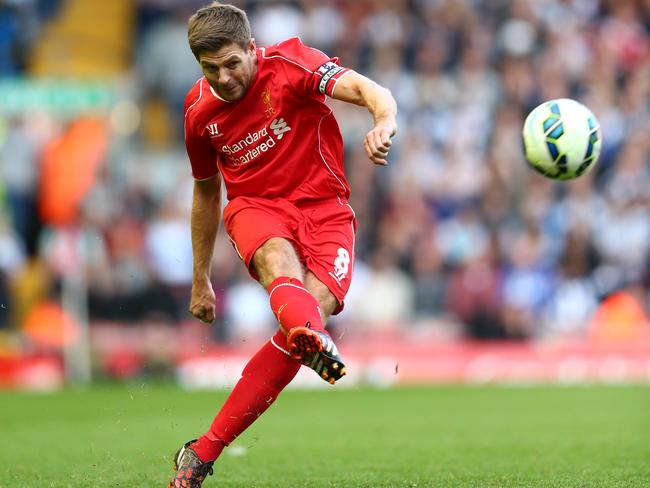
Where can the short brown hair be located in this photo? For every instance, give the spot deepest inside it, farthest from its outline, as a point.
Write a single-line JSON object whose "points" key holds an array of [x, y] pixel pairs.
{"points": [[214, 26]]}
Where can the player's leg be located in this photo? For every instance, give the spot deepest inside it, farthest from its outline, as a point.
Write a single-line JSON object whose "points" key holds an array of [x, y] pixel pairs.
{"points": [[299, 310], [268, 372], [275, 258], [327, 243], [276, 265], [316, 348], [264, 235], [274, 261], [279, 270], [327, 302]]}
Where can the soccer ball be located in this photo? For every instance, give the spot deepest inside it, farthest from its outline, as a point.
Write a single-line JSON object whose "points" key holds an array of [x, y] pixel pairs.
{"points": [[562, 139]]}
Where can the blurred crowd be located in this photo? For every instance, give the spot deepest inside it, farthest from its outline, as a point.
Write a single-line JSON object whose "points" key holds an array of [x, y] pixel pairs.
{"points": [[457, 234]]}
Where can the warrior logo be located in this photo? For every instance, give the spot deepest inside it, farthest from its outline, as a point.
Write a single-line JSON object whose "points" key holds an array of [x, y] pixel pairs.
{"points": [[214, 132]]}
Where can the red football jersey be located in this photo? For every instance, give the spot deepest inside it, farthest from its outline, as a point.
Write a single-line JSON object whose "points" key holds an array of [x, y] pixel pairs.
{"points": [[280, 140]]}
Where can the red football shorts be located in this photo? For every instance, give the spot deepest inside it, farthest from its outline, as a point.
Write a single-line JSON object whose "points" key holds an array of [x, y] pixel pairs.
{"points": [[322, 234]]}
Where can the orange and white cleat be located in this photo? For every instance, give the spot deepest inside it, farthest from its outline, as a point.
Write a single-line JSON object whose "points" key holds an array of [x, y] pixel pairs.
{"points": [[316, 350]]}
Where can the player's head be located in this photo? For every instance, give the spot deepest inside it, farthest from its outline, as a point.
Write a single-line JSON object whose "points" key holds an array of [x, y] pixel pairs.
{"points": [[220, 38]]}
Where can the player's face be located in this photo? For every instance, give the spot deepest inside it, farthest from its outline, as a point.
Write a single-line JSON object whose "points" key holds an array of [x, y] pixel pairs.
{"points": [[230, 70]]}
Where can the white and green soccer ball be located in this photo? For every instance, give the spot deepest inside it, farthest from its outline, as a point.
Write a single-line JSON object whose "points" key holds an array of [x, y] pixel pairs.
{"points": [[562, 139]]}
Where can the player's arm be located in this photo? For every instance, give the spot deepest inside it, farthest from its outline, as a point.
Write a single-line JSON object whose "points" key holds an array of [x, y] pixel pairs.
{"points": [[205, 216], [357, 89]]}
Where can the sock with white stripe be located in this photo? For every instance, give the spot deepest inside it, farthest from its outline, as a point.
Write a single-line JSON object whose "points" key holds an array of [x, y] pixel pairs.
{"points": [[293, 305], [263, 378]]}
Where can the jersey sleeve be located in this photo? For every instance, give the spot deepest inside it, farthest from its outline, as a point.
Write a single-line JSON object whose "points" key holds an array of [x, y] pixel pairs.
{"points": [[315, 72], [203, 157]]}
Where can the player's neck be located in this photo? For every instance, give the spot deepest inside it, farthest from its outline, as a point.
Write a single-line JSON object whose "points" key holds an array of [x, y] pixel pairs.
{"points": [[254, 68]]}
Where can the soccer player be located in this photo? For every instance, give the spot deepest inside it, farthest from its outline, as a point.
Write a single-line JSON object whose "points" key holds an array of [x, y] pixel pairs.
{"points": [[258, 121]]}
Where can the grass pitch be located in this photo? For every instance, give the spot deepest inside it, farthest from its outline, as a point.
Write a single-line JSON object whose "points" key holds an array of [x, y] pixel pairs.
{"points": [[428, 437]]}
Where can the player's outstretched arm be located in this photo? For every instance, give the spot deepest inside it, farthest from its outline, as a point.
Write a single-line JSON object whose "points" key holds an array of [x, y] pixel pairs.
{"points": [[357, 89], [206, 213]]}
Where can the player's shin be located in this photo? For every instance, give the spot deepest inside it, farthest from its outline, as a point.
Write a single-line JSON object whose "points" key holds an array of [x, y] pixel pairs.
{"points": [[293, 305], [263, 378], [307, 341]]}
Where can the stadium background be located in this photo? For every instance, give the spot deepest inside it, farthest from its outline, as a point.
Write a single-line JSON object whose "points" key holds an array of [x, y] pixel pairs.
{"points": [[470, 266]]}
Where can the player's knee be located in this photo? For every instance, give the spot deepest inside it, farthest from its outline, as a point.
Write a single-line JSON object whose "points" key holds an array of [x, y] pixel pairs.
{"points": [[275, 258], [327, 302], [327, 306]]}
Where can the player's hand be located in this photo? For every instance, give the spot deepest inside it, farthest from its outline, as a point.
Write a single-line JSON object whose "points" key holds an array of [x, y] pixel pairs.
{"points": [[378, 141], [203, 302]]}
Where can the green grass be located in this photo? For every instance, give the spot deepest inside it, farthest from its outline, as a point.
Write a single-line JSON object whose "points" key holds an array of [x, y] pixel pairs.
{"points": [[433, 437]]}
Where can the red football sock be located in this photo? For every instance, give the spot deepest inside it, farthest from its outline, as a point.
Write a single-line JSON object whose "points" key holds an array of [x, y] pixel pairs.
{"points": [[293, 305], [263, 378]]}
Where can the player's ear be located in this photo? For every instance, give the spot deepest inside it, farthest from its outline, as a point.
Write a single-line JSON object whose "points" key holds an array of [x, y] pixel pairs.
{"points": [[251, 45]]}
